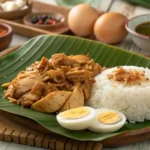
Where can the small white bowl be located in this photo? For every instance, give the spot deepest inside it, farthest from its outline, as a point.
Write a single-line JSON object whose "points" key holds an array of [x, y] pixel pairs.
{"points": [[140, 40]]}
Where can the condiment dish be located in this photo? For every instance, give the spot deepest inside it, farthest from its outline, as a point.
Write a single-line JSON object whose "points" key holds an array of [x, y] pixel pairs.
{"points": [[56, 16], [6, 38], [141, 40], [16, 14]]}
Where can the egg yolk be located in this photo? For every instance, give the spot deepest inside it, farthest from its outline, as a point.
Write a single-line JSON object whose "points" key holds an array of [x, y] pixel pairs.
{"points": [[109, 117], [75, 113]]}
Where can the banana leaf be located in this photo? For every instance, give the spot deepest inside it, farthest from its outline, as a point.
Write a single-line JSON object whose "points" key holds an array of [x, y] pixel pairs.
{"points": [[144, 3], [71, 3], [47, 45]]}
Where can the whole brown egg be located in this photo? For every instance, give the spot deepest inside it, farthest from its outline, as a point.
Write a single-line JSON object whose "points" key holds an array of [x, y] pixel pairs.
{"points": [[81, 19], [110, 27]]}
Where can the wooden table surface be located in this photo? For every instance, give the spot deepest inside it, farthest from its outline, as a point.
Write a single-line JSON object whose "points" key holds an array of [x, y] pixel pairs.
{"points": [[106, 5]]}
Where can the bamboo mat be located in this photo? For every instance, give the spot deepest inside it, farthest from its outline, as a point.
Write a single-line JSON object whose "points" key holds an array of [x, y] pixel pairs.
{"points": [[10, 131]]}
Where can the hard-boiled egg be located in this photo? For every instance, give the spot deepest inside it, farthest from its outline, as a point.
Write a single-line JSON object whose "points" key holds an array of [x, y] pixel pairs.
{"points": [[107, 120], [77, 118]]}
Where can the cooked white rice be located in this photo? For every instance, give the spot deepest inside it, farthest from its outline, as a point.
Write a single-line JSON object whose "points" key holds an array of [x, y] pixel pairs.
{"points": [[132, 100]]}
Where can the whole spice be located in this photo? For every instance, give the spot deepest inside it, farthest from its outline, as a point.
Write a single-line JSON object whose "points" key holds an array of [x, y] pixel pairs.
{"points": [[44, 19]]}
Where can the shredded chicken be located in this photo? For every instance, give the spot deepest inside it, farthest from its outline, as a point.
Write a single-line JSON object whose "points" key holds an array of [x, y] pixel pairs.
{"points": [[44, 65], [28, 99], [57, 76], [79, 75], [22, 83], [73, 74], [62, 60], [75, 100]]}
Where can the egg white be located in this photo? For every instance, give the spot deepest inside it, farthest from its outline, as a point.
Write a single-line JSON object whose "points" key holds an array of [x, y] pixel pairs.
{"points": [[77, 124], [99, 127]]}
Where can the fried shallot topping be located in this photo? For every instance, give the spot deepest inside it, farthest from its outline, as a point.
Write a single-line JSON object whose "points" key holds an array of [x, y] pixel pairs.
{"points": [[130, 77], [63, 82]]}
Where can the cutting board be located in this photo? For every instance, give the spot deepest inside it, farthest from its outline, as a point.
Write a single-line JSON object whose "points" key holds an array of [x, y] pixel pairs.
{"points": [[22, 130], [25, 131]]}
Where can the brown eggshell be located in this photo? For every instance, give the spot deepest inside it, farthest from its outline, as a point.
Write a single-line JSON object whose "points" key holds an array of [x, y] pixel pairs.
{"points": [[81, 19], [110, 27]]}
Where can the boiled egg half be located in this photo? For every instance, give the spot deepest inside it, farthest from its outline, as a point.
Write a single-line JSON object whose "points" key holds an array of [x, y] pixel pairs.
{"points": [[77, 118], [107, 120]]}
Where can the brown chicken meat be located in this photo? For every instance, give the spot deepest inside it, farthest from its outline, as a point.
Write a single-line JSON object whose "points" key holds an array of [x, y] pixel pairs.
{"points": [[58, 84]]}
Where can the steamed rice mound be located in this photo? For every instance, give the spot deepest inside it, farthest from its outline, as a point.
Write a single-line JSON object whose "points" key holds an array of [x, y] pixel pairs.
{"points": [[127, 91]]}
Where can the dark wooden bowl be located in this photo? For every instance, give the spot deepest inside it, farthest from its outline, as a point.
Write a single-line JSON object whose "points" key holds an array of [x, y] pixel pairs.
{"points": [[27, 20], [17, 14], [6, 38]]}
